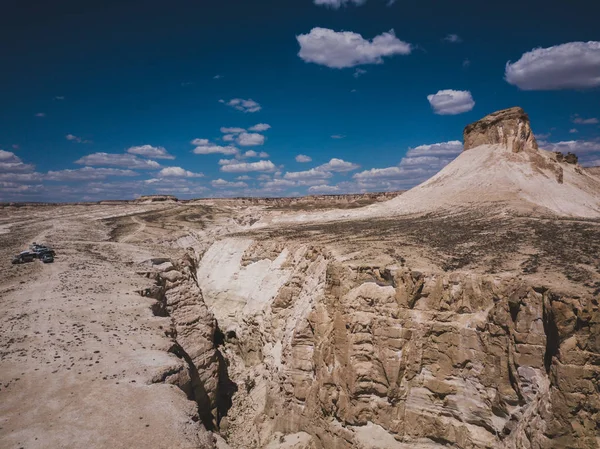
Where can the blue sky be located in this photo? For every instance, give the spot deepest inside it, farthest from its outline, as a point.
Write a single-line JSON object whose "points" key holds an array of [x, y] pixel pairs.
{"points": [[115, 99]]}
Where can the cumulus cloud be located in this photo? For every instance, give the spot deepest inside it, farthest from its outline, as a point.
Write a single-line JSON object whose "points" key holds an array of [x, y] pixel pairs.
{"points": [[338, 165], [252, 153], [574, 146], [344, 49], [450, 148], [335, 4], [575, 65], [323, 188], [374, 173], [584, 121], [234, 166], [77, 139], [250, 139], [220, 183], [337, 136], [11, 163], [278, 184], [203, 146], [117, 160], [86, 174], [451, 102], [150, 151], [303, 158], [313, 173], [226, 130], [178, 172], [228, 137], [240, 104], [573, 131], [358, 73], [260, 127], [453, 39]]}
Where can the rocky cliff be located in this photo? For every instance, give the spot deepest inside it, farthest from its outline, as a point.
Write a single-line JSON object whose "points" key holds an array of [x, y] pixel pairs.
{"points": [[361, 356], [509, 128]]}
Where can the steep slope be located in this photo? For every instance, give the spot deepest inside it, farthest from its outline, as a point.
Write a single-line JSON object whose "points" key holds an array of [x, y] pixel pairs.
{"points": [[502, 164]]}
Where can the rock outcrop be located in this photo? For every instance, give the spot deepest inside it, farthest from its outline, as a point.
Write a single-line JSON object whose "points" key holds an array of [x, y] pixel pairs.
{"points": [[384, 356], [509, 128]]}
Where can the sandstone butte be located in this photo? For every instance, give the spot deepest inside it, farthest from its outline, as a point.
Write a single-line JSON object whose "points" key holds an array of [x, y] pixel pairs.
{"points": [[463, 313]]}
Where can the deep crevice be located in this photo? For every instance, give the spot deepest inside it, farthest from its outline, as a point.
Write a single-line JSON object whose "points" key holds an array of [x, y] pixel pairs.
{"points": [[195, 390], [551, 331]]}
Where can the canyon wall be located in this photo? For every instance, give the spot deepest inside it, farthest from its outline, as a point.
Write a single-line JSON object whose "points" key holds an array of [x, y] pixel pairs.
{"points": [[358, 356]]}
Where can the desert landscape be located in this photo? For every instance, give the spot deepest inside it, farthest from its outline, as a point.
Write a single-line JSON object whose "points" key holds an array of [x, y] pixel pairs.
{"points": [[462, 313]]}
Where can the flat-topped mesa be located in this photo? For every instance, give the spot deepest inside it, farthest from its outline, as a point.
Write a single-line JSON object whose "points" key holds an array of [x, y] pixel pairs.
{"points": [[508, 127]]}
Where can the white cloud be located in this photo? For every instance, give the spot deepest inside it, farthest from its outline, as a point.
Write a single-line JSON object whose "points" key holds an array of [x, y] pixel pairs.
{"points": [[252, 153], [335, 4], [450, 148], [203, 146], [303, 158], [359, 72], [21, 177], [337, 136], [585, 121], [451, 102], [343, 49], [150, 151], [278, 184], [217, 77], [374, 173], [453, 39], [575, 65], [117, 160], [178, 172], [313, 173], [573, 131], [86, 174], [338, 165], [220, 183], [324, 188], [11, 163], [243, 178], [241, 167], [226, 130], [260, 127], [73, 138], [574, 146], [250, 139], [228, 137], [40, 114], [240, 104]]}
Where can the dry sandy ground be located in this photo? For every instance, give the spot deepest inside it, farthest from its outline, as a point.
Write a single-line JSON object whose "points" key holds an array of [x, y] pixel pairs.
{"points": [[79, 347], [81, 353]]}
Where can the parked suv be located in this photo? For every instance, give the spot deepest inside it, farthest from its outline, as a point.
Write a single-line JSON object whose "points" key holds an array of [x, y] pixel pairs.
{"points": [[24, 257]]}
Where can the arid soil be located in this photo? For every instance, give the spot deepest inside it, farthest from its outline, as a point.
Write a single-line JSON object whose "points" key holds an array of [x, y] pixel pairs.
{"points": [[89, 361]]}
